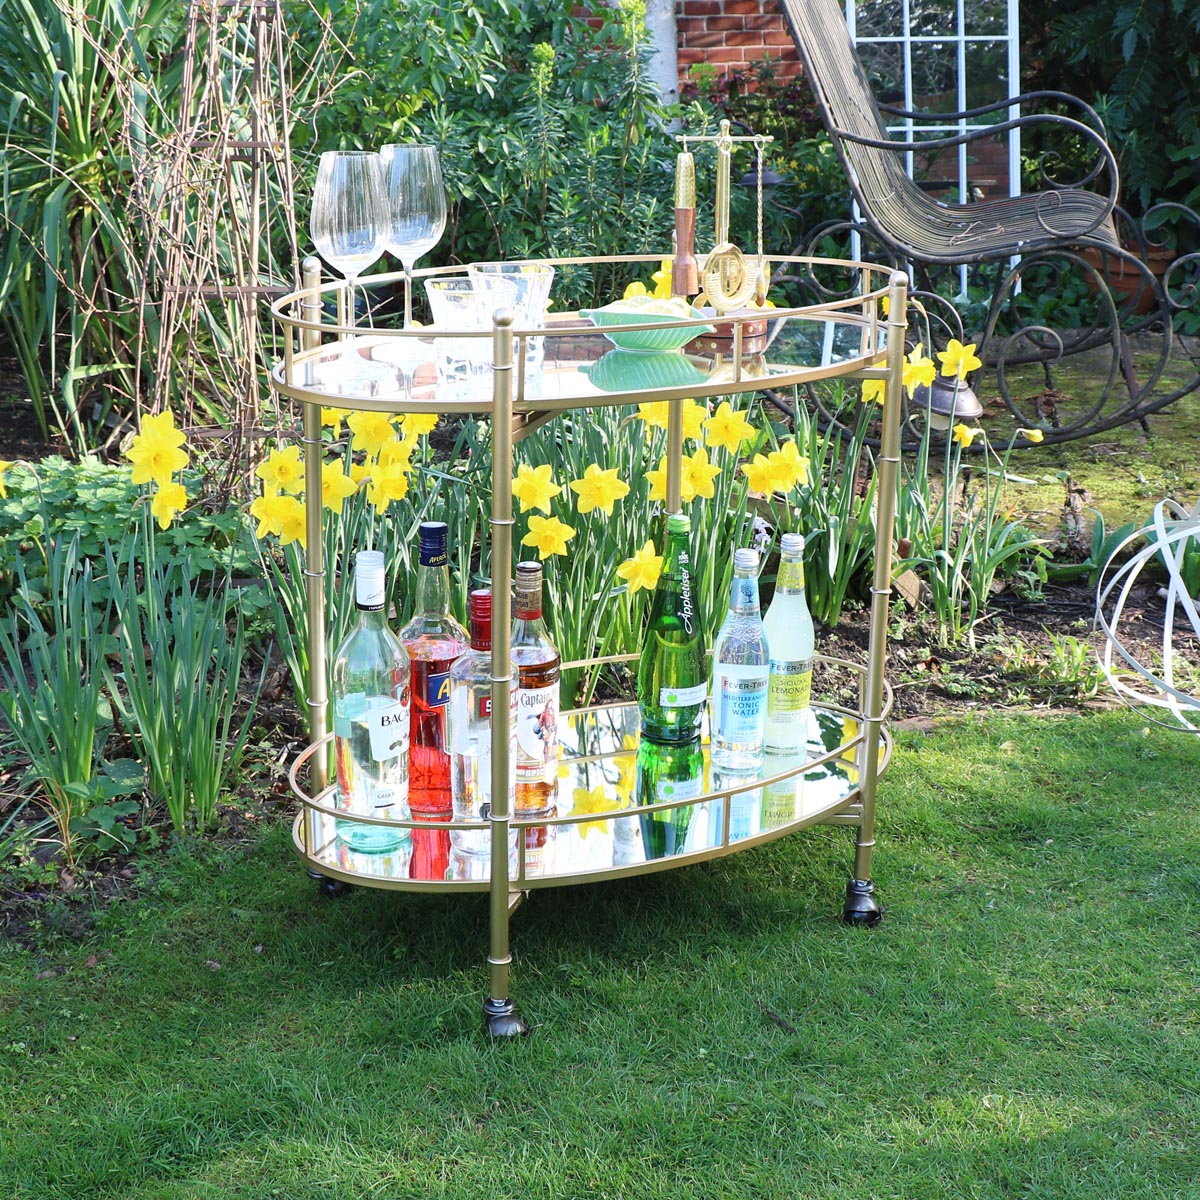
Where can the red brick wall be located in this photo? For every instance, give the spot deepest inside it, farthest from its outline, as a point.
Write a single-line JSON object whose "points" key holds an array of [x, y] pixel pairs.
{"points": [[734, 34]]}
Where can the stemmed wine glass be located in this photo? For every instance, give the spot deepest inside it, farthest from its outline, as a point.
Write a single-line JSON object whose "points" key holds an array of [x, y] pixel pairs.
{"points": [[417, 196], [350, 225]]}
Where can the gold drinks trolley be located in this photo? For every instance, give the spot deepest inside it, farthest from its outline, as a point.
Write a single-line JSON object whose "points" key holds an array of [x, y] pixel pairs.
{"points": [[833, 782]]}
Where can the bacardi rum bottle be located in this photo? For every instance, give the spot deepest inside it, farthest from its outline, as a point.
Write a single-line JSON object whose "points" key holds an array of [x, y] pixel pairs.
{"points": [[672, 682], [739, 674], [471, 740], [433, 639], [371, 731], [538, 664], [791, 724]]}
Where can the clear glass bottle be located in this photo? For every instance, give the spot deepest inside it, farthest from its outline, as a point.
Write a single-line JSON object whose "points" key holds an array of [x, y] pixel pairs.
{"points": [[433, 639], [371, 729], [668, 771], [470, 729], [538, 665], [791, 725], [739, 674], [672, 681]]}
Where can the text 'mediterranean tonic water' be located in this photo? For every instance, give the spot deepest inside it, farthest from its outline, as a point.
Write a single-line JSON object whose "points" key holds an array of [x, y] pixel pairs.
{"points": [[371, 730], [433, 639], [741, 664], [789, 628], [672, 681]]}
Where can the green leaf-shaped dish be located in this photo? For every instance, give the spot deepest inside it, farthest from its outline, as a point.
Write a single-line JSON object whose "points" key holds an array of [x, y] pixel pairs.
{"points": [[639, 371], [644, 339]]}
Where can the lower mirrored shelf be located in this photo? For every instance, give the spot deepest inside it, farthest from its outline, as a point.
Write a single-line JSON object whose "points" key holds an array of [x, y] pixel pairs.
{"points": [[624, 807]]}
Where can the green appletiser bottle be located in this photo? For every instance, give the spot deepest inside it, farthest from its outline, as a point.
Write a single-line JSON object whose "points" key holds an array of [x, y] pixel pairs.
{"points": [[672, 684]]}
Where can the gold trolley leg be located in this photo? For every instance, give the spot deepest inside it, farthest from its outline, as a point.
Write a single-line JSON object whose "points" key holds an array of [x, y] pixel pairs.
{"points": [[862, 906], [314, 574], [499, 1013]]}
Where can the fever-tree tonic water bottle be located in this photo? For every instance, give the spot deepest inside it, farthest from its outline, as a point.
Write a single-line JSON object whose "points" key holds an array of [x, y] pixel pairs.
{"points": [[791, 725], [672, 682], [433, 639], [739, 675], [371, 731]]}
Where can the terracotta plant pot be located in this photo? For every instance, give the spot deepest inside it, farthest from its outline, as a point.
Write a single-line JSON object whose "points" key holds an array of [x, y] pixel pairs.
{"points": [[1130, 288]]}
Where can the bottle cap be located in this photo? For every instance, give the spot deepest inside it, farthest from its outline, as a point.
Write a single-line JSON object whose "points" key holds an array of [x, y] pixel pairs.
{"points": [[745, 560], [679, 523], [431, 540], [369, 589], [480, 603], [528, 604], [792, 543]]}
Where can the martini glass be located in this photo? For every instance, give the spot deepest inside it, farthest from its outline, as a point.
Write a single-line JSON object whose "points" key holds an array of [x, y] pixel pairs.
{"points": [[350, 225]]}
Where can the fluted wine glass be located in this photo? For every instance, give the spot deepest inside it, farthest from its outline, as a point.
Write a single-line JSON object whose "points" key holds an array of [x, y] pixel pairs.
{"points": [[417, 196], [350, 225]]}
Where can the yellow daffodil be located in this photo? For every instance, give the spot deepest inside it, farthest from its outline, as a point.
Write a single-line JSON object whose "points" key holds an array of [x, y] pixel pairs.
{"points": [[396, 453], [595, 800], [157, 452], [642, 570], [655, 415], [727, 428], [761, 474], [918, 370], [662, 280], [549, 535], [788, 466], [283, 471], [360, 472], [169, 498], [634, 289], [534, 487], [1031, 435], [874, 391], [333, 417], [292, 524], [658, 483], [699, 473], [268, 511], [599, 488], [959, 360], [389, 481], [6, 465], [626, 765], [371, 430], [964, 435], [336, 485], [417, 425]]}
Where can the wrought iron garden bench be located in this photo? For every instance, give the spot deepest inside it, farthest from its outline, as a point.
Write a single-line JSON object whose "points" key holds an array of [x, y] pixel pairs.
{"points": [[1026, 248]]}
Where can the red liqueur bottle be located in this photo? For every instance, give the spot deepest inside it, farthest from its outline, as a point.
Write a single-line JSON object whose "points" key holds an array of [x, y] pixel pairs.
{"points": [[433, 639]]}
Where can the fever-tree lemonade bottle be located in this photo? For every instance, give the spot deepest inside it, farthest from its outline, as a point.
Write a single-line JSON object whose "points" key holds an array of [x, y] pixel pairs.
{"points": [[672, 688], [789, 628], [433, 639], [371, 730]]}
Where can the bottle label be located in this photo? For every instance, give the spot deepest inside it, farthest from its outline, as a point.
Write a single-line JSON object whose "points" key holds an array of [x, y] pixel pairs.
{"points": [[679, 789], [686, 608], [537, 727], [745, 593], [387, 727], [791, 687], [683, 697], [433, 558], [437, 689], [740, 702], [790, 577]]}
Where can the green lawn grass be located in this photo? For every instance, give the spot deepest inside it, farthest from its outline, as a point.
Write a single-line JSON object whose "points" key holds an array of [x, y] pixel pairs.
{"points": [[1024, 1023]]}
